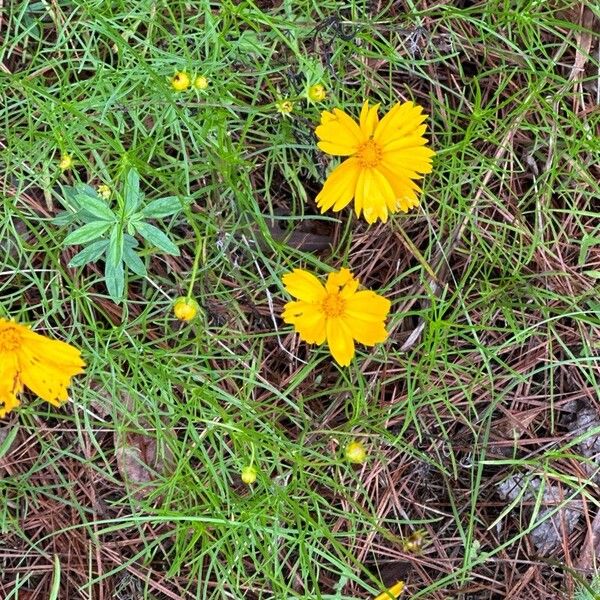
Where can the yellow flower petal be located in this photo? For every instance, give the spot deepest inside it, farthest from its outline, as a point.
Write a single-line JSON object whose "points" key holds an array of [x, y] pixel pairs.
{"points": [[307, 319], [340, 132], [393, 592], [340, 186], [368, 306], [303, 285], [365, 332], [340, 342], [368, 119]]}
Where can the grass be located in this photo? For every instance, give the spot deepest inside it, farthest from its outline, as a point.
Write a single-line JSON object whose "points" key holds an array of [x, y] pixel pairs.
{"points": [[135, 485]]}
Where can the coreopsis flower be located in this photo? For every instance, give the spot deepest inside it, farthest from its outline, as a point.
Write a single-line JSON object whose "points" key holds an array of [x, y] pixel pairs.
{"points": [[284, 107], [336, 312], [317, 92], [43, 365], [355, 452], [249, 474], [66, 162], [393, 592], [180, 81], [385, 159], [185, 309], [200, 82]]}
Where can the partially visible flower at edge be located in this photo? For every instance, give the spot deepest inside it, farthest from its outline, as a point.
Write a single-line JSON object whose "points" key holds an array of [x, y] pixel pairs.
{"points": [[317, 92], [66, 162], [43, 365], [335, 312], [180, 81], [284, 107], [392, 592], [385, 159]]}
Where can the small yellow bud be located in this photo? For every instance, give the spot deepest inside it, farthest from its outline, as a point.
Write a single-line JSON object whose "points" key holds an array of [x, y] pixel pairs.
{"points": [[317, 92], [249, 474], [201, 83], [104, 191], [180, 81], [66, 162], [393, 592], [356, 453], [185, 309], [285, 107]]}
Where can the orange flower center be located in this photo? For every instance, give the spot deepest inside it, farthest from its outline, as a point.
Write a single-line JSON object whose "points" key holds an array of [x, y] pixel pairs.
{"points": [[333, 305], [369, 154], [10, 338]]}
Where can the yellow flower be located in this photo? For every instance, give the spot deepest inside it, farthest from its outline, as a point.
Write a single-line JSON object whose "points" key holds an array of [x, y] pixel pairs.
{"points": [[317, 92], [104, 191], [336, 312], [393, 592], [31, 360], [66, 162], [249, 474], [200, 83], [285, 107], [185, 309], [385, 159], [180, 81], [356, 453]]}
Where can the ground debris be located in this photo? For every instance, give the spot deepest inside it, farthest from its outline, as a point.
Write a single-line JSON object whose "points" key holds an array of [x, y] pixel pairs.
{"points": [[552, 530]]}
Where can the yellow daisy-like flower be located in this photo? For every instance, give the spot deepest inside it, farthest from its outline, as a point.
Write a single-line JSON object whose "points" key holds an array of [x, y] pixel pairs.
{"points": [[180, 81], [385, 159], [394, 592], [28, 359], [336, 312]]}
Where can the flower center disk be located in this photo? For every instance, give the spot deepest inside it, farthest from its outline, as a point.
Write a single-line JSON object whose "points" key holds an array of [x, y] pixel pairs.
{"points": [[333, 305], [10, 338], [369, 154]]}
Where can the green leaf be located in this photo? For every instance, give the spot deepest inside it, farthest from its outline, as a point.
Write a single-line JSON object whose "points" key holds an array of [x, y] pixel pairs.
{"points": [[114, 271], [157, 238], [90, 254], [163, 207], [97, 207], [133, 261], [87, 233], [115, 245], [132, 192], [115, 281]]}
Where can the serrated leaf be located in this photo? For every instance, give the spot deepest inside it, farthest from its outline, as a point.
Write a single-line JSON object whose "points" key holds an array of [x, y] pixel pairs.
{"points": [[87, 233], [132, 192], [134, 262], [97, 207], [157, 238], [90, 254], [163, 207]]}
